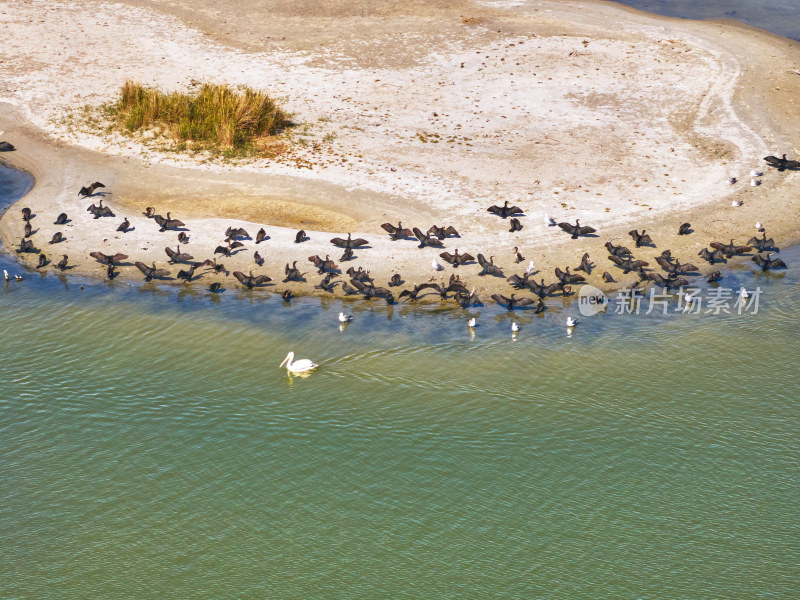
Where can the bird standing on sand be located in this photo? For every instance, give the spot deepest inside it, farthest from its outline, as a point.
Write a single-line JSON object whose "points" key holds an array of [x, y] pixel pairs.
{"points": [[529, 269], [435, 265]]}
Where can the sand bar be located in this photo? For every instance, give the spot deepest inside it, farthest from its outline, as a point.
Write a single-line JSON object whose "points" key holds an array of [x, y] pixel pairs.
{"points": [[407, 112]]}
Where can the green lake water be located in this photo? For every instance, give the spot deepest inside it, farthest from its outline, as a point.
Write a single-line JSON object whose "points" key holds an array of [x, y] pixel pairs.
{"points": [[152, 447]]}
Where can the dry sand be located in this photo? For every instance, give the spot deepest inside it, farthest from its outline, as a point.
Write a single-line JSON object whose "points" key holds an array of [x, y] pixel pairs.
{"points": [[408, 112]]}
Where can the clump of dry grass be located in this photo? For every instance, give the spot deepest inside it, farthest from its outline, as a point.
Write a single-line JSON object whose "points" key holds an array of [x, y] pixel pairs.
{"points": [[215, 117]]}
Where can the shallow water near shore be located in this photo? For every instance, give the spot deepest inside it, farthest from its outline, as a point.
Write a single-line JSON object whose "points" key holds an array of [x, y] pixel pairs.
{"points": [[152, 447], [778, 16]]}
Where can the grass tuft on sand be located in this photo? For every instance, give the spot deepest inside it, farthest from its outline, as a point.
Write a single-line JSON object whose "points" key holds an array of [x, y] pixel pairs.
{"points": [[216, 118]]}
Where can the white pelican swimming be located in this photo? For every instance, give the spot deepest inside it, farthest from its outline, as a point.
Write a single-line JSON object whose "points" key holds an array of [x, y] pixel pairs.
{"points": [[343, 318], [529, 269], [743, 293], [5, 274], [571, 322], [471, 322], [514, 327], [436, 266], [300, 366]]}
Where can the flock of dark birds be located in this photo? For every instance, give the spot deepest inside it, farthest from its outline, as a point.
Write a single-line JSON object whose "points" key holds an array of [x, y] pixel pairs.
{"points": [[674, 272]]}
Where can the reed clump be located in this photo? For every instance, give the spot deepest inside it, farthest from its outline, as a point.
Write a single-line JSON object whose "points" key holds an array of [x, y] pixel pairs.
{"points": [[214, 117]]}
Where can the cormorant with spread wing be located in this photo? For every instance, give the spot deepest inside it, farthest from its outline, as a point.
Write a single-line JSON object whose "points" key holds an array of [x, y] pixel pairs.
{"points": [[711, 257], [617, 250], [151, 272], [88, 191], [505, 210], [488, 266], [427, 239], [641, 239], [250, 281], [567, 277], [349, 242], [767, 263], [782, 163], [512, 302], [292, 273], [176, 256], [232, 233], [108, 259], [762, 244], [395, 233], [168, 222], [729, 250], [456, 258], [627, 264], [443, 232], [577, 229]]}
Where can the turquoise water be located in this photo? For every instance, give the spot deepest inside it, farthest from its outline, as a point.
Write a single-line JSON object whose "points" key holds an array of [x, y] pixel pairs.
{"points": [[152, 447]]}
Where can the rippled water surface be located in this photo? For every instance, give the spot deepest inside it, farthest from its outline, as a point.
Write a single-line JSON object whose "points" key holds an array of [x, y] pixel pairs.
{"points": [[152, 447]]}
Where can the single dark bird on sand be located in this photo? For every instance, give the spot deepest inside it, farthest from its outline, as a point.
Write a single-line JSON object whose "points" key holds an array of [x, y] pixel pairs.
{"points": [[349, 242], [641, 239], [88, 191], [505, 210], [577, 229], [427, 239], [108, 259], [456, 258], [443, 232], [395, 233], [782, 163]]}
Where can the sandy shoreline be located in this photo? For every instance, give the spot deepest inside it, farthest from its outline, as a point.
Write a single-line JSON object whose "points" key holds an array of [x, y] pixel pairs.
{"points": [[606, 114]]}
